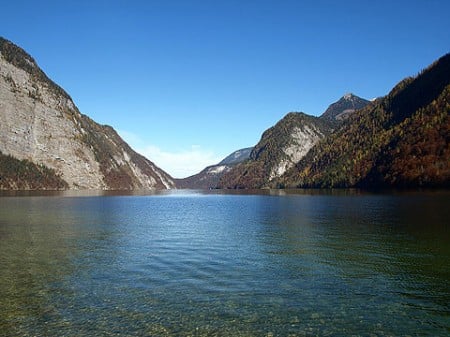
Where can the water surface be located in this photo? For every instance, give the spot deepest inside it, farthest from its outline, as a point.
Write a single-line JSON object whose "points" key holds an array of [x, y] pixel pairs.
{"points": [[217, 264]]}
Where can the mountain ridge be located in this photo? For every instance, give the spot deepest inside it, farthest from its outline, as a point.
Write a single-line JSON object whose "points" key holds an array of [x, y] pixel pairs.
{"points": [[40, 125], [210, 176], [401, 140], [279, 148], [284, 144]]}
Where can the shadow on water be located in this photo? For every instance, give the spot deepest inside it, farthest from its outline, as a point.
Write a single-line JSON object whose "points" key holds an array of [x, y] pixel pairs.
{"points": [[391, 250]]}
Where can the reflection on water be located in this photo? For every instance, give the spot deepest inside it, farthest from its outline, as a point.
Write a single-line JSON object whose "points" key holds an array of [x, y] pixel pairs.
{"points": [[217, 264]]}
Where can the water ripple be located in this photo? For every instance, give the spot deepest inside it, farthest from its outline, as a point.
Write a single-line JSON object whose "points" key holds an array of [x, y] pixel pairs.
{"points": [[225, 265]]}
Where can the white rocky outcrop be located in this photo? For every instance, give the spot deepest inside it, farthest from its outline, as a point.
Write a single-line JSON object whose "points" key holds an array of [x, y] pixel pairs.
{"points": [[301, 141]]}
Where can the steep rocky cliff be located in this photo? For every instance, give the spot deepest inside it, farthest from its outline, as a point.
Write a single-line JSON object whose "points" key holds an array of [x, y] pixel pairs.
{"points": [[40, 124]]}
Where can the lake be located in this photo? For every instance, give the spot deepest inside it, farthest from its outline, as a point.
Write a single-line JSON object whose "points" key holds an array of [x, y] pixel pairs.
{"points": [[192, 263]]}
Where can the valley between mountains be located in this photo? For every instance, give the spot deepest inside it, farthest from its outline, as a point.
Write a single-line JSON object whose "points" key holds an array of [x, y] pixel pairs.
{"points": [[399, 140]]}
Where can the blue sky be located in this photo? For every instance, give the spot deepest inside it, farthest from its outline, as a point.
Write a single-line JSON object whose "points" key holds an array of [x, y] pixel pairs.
{"points": [[188, 82]]}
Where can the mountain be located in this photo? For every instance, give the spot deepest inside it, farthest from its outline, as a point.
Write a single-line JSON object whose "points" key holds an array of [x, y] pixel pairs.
{"points": [[280, 148], [344, 107], [283, 145], [400, 140], [210, 176], [237, 157], [42, 131]]}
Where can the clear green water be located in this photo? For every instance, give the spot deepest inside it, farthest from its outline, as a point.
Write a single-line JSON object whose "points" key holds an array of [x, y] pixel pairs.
{"points": [[195, 264]]}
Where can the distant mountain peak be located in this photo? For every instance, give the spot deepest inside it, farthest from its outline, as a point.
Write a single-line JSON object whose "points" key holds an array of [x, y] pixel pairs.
{"points": [[210, 176], [237, 157], [348, 96], [341, 109]]}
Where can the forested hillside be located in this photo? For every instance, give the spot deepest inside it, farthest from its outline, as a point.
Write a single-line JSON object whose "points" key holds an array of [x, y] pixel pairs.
{"points": [[24, 175], [400, 140]]}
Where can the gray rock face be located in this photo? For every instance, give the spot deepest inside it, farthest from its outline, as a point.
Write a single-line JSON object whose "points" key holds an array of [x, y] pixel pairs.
{"points": [[39, 122], [284, 144]]}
